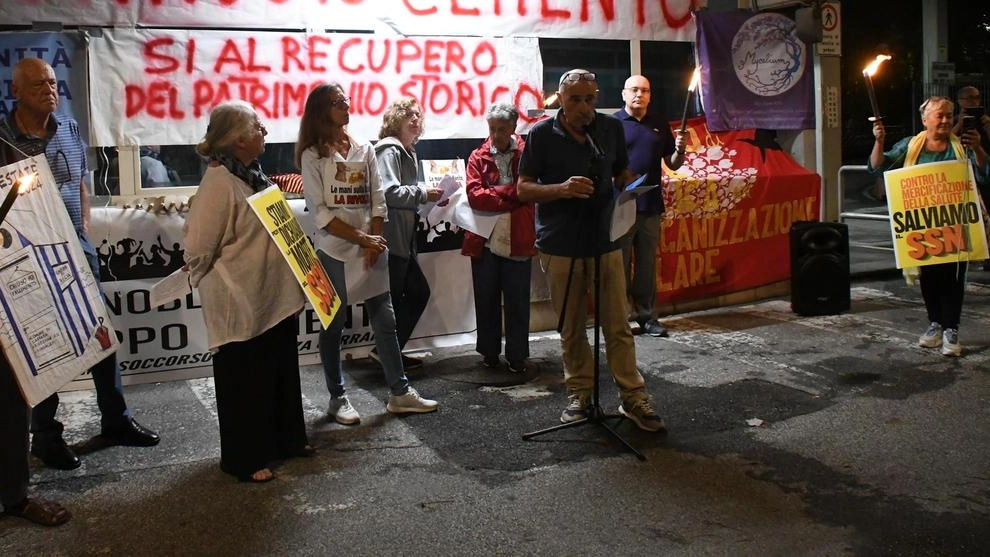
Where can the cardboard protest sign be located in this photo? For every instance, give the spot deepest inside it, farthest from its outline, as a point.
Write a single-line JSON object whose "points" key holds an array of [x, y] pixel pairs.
{"points": [[53, 322], [277, 218], [935, 214]]}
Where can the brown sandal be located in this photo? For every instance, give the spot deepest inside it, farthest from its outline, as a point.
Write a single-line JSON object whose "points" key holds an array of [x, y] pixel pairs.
{"points": [[40, 511]]}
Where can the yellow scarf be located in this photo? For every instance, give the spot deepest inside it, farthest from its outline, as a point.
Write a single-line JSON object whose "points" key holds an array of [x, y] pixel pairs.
{"points": [[918, 142]]}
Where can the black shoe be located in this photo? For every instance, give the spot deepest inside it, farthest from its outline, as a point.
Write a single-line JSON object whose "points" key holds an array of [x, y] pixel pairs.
{"points": [[518, 367], [130, 434], [408, 362], [56, 454], [654, 329], [491, 361]]}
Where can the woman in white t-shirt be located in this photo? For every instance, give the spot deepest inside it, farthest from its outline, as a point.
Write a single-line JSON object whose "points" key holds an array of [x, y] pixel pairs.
{"points": [[343, 192]]}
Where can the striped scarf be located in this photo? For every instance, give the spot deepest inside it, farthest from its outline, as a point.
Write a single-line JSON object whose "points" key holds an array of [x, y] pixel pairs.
{"points": [[252, 174]]}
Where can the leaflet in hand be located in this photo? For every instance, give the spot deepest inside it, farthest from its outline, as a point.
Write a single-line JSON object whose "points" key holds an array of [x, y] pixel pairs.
{"points": [[624, 214]]}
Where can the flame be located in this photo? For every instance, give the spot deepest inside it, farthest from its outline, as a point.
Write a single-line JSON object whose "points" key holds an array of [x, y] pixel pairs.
{"points": [[26, 182], [695, 79], [872, 68]]}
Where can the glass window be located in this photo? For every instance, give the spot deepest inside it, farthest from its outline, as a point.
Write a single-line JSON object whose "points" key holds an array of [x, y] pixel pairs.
{"points": [[106, 176], [668, 65], [609, 60], [181, 162]]}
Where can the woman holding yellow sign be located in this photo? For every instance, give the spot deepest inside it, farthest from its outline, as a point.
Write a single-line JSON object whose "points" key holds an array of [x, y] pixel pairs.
{"points": [[344, 193], [250, 301], [942, 284]]}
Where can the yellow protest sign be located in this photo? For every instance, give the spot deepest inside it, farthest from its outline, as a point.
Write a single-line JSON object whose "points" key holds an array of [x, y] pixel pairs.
{"points": [[935, 214], [277, 218]]}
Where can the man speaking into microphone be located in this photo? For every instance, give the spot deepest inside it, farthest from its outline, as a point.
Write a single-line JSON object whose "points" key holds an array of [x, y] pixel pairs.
{"points": [[570, 167]]}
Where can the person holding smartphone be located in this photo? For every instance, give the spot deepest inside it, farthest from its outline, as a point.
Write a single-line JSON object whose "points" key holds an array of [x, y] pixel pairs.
{"points": [[973, 116]]}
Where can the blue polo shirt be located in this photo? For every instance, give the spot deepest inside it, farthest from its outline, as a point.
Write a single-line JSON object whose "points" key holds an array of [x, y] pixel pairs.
{"points": [[647, 140], [568, 227], [66, 153]]}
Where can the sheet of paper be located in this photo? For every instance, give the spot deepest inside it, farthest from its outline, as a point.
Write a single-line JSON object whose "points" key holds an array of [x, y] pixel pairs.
{"points": [[449, 185], [170, 288], [624, 213], [459, 212], [362, 283]]}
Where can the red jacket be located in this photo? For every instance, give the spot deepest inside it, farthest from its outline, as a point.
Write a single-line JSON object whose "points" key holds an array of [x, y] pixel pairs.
{"points": [[484, 194]]}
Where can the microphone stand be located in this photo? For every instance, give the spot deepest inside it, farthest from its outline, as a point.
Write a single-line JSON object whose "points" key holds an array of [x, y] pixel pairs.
{"points": [[594, 413]]}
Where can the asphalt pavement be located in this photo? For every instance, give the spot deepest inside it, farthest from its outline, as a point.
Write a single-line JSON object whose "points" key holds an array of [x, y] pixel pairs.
{"points": [[788, 435]]}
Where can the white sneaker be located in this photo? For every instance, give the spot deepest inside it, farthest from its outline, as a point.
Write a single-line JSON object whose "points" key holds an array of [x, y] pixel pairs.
{"points": [[932, 337], [411, 402], [342, 412], [950, 343]]}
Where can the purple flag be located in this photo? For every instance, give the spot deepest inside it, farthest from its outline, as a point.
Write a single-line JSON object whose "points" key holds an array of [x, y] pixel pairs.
{"points": [[755, 72]]}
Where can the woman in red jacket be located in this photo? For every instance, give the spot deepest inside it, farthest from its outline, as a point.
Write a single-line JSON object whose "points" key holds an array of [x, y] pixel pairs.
{"points": [[501, 264]]}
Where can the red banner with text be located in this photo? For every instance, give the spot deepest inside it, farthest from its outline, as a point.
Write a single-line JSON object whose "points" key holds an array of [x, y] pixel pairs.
{"points": [[157, 87], [729, 212]]}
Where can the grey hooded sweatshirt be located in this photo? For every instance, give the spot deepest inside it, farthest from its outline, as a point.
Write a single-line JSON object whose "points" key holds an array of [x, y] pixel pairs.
{"points": [[399, 172]]}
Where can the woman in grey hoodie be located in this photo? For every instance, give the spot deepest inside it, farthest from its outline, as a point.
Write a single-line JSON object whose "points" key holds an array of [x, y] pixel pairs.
{"points": [[402, 124]]}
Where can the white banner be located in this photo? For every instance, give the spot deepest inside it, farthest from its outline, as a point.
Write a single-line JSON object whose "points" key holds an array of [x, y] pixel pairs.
{"points": [[157, 87], [137, 248], [53, 324], [657, 20]]}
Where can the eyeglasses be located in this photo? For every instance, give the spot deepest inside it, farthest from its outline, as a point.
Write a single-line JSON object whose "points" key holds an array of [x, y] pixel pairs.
{"points": [[341, 102], [970, 98], [640, 90], [572, 77]]}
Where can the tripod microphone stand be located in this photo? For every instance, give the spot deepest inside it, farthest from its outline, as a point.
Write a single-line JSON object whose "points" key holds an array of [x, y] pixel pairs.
{"points": [[594, 413]]}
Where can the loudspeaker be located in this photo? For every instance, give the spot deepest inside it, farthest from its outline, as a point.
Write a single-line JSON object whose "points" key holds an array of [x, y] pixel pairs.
{"points": [[808, 24], [819, 268]]}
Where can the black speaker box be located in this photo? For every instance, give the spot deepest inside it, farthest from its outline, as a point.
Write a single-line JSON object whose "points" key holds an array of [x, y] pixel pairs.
{"points": [[819, 268]]}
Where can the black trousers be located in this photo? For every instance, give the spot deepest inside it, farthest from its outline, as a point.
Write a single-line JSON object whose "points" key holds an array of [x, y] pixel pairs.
{"points": [[14, 413], [499, 281], [410, 293], [942, 288], [259, 400]]}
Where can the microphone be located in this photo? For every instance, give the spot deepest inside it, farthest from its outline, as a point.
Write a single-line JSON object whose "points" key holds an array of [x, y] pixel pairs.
{"points": [[594, 165]]}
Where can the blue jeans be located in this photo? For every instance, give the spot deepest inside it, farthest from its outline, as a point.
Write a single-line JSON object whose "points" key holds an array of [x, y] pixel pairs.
{"points": [[106, 378], [382, 319]]}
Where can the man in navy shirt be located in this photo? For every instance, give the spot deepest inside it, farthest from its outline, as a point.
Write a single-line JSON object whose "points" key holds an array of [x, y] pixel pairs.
{"points": [[570, 167], [648, 140], [32, 128]]}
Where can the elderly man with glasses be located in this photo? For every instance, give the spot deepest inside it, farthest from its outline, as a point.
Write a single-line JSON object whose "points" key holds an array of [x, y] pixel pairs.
{"points": [[33, 128], [571, 167]]}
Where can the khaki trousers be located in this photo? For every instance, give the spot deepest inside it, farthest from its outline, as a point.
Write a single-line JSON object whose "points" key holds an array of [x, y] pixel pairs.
{"points": [[620, 349]]}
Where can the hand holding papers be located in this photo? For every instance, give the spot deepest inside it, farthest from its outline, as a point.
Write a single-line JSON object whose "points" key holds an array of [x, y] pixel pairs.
{"points": [[624, 214], [170, 288]]}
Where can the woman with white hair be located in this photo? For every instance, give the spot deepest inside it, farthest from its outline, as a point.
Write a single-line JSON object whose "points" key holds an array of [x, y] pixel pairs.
{"points": [[942, 284], [250, 301], [501, 264]]}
